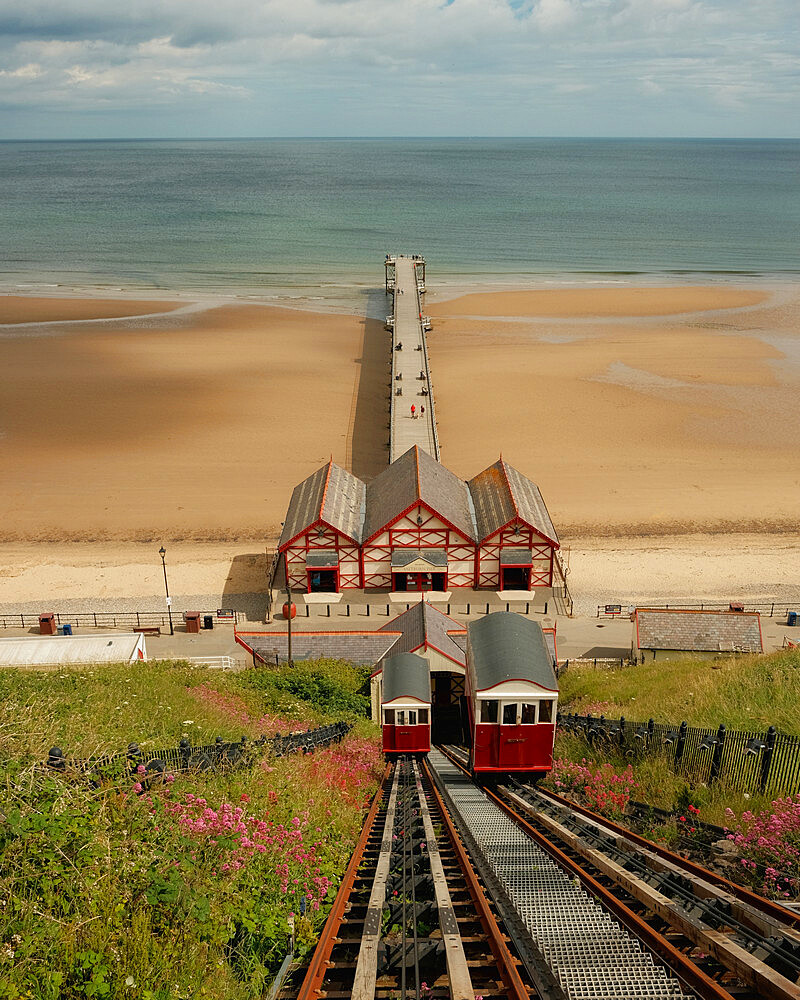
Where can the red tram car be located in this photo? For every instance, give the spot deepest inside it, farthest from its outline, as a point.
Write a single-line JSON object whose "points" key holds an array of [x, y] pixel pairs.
{"points": [[406, 705], [512, 694]]}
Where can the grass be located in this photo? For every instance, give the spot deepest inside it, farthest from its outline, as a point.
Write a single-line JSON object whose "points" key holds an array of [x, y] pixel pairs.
{"points": [[96, 709], [183, 890], [659, 786], [744, 692]]}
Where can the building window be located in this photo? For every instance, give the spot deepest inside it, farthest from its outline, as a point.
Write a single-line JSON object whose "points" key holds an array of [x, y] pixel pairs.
{"points": [[488, 711]]}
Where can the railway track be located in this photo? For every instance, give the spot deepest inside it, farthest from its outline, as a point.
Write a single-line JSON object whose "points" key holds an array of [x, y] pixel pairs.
{"points": [[713, 938], [411, 918]]}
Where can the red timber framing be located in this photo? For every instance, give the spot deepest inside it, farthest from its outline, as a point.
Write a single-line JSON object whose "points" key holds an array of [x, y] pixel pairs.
{"points": [[418, 527], [514, 535], [319, 538]]}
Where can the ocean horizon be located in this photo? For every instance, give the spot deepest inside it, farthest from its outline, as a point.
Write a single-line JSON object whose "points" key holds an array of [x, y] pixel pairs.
{"points": [[312, 218]]}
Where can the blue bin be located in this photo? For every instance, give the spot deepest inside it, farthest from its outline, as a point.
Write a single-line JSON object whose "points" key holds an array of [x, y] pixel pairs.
{"points": [[67, 629], [793, 617]]}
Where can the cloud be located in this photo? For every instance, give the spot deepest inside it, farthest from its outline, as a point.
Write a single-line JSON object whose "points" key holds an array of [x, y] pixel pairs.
{"points": [[490, 65]]}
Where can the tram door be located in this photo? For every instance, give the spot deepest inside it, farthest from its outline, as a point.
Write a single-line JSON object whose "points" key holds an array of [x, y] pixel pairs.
{"points": [[512, 738]]}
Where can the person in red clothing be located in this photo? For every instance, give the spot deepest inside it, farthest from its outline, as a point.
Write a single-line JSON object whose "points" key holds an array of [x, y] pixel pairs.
{"points": [[413, 411]]}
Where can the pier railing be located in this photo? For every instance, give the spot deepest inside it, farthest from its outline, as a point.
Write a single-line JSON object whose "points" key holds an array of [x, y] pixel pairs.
{"points": [[431, 403]]}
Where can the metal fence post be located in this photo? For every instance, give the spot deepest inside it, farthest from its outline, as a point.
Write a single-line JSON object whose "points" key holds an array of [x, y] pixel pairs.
{"points": [[680, 744], [716, 757], [622, 731], [651, 729], [766, 758]]}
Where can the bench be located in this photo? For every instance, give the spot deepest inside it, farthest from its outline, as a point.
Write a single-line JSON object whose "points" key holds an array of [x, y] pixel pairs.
{"points": [[149, 629]]}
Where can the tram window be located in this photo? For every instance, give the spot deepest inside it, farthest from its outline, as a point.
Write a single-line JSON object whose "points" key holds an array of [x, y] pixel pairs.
{"points": [[412, 718], [423, 716], [528, 713], [488, 711], [546, 711], [388, 716], [510, 714]]}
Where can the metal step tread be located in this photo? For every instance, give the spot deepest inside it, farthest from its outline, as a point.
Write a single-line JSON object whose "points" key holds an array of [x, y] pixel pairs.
{"points": [[590, 955]]}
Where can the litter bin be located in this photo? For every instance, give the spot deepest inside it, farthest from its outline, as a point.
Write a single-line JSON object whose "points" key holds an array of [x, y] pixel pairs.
{"points": [[793, 618], [208, 621], [67, 629], [193, 621], [47, 624]]}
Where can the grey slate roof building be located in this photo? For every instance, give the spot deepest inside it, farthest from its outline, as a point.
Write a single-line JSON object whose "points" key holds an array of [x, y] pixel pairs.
{"points": [[362, 648], [478, 510], [697, 631], [500, 495], [423, 625], [331, 494], [504, 647], [406, 675], [412, 477]]}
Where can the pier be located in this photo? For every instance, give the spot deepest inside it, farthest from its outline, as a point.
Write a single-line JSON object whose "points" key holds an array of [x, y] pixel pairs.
{"points": [[411, 376]]}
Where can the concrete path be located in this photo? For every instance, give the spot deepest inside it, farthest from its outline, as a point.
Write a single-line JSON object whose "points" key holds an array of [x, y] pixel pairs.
{"points": [[408, 363]]}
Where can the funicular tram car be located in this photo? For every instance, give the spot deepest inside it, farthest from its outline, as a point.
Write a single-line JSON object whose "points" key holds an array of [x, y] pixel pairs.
{"points": [[406, 705], [511, 693]]}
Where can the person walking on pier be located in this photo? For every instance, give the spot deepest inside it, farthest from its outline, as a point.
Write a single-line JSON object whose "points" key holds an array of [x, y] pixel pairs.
{"points": [[413, 412], [422, 411]]}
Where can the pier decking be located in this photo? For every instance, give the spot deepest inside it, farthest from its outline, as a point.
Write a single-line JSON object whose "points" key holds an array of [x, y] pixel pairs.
{"points": [[411, 378]]}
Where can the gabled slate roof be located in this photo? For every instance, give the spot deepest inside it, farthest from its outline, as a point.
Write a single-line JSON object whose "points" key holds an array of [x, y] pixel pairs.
{"points": [[500, 494], [414, 476], [699, 631], [331, 494], [358, 647], [423, 625], [406, 675], [504, 646]]}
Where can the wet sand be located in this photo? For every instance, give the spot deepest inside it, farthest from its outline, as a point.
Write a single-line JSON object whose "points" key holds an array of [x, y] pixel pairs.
{"points": [[631, 425], [196, 428]]}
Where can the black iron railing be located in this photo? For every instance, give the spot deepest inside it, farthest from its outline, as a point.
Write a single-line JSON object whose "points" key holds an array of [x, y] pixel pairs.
{"points": [[219, 756], [759, 761]]}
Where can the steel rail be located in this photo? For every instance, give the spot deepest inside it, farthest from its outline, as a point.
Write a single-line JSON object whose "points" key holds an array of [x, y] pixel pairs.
{"points": [[676, 909], [682, 967], [506, 964], [768, 906], [311, 987]]}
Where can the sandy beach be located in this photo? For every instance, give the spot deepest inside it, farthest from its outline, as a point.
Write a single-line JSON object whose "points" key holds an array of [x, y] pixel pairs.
{"points": [[634, 414], [192, 427], [661, 425]]}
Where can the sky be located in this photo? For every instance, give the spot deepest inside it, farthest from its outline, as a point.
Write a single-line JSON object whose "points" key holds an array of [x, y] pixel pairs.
{"points": [[83, 69]]}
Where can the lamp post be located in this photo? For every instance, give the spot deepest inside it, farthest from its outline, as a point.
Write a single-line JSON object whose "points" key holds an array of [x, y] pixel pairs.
{"points": [[163, 553]]}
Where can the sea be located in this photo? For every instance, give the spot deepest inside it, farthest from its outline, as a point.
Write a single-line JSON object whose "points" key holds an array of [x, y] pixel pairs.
{"points": [[313, 218]]}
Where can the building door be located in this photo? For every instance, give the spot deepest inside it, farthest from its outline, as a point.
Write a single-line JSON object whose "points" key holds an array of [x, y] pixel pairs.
{"points": [[516, 578], [323, 581]]}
